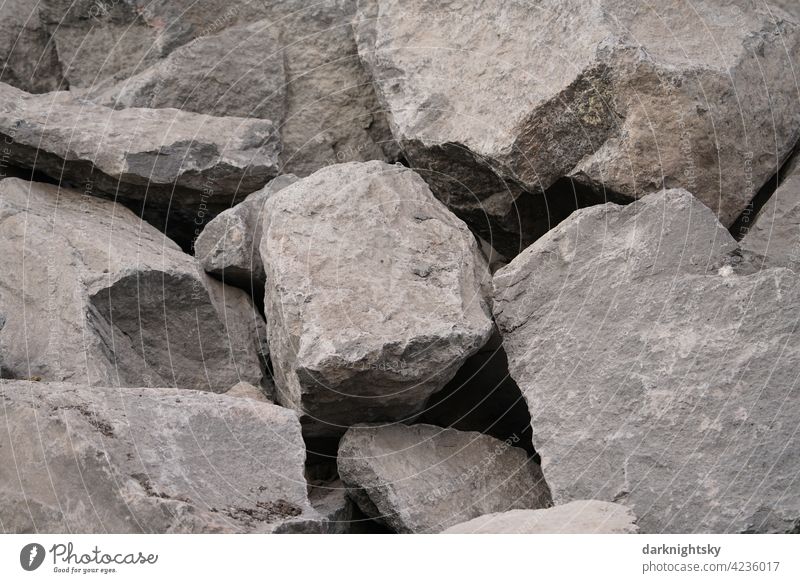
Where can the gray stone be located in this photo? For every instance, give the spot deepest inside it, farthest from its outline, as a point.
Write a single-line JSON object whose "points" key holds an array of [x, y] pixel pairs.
{"points": [[93, 294], [100, 41], [228, 246], [496, 100], [373, 297], [773, 237], [424, 479], [790, 6], [29, 62], [578, 517], [186, 162], [237, 72], [137, 460], [660, 371], [245, 390], [332, 112]]}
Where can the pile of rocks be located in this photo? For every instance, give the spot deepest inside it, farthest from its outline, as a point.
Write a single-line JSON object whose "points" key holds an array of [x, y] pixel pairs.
{"points": [[387, 266]]}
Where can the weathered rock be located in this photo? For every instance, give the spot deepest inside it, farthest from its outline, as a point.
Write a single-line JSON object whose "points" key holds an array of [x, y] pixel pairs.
{"points": [[773, 238], [373, 296], [332, 112], [578, 517], [790, 6], [188, 163], [228, 246], [93, 294], [29, 62], [620, 96], [424, 479], [96, 460], [98, 42], [656, 374], [236, 72], [245, 390]]}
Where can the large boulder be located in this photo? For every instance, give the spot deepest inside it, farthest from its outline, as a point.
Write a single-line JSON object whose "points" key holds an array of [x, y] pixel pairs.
{"points": [[139, 460], [237, 72], [424, 479], [772, 237], [156, 159], [228, 246], [331, 111], [660, 370], [373, 297], [93, 294], [30, 62], [578, 517], [100, 41], [493, 101]]}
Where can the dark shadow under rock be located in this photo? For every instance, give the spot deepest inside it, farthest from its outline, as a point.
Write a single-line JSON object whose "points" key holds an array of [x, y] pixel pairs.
{"points": [[483, 397]]}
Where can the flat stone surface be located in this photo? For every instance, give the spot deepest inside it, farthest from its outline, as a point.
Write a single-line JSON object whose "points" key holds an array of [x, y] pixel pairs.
{"points": [[578, 517], [658, 374]]}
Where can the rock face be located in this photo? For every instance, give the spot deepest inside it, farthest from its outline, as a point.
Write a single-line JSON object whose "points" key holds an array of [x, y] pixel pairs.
{"points": [[773, 239], [228, 246], [190, 163], [237, 72], [578, 517], [424, 479], [374, 295], [29, 62], [656, 374], [92, 294], [172, 46], [624, 98], [95, 460], [98, 42]]}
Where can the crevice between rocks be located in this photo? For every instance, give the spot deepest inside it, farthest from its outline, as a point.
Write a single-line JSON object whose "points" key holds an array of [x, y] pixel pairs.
{"points": [[741, 226]]}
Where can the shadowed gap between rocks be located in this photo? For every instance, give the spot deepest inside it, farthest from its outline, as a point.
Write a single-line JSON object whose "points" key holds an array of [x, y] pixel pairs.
{"points": [[742, 224], [178, 212], [536, 213], [483, 397]]}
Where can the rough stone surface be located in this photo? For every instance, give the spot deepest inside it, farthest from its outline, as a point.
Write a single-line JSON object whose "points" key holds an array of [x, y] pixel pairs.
{"points": [[578, 517], [29, 62], [188, 162], [101, 41], [331, 111], [96, 460], [424, 479], [228, 246], [373, 296], [245, 390], [92, 294], [790, 6], [621, 96], [660, 371], [237, 72], [773, 239]]}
